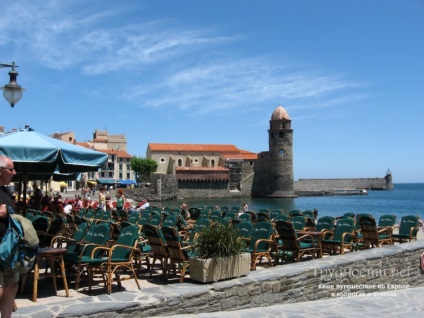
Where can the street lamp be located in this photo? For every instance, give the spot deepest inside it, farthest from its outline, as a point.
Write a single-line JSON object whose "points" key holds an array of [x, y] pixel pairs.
{"points": [[12, 91]]}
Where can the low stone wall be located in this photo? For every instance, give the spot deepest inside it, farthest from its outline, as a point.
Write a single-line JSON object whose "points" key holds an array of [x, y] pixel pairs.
{"points": [[203, 190], [339, 184], [164, 187], [380, 270]]}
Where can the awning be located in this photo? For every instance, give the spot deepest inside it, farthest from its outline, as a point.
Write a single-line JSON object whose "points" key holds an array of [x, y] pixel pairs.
{"points": [[106, 181], [92, 182], [127, 182], [63, 184]]}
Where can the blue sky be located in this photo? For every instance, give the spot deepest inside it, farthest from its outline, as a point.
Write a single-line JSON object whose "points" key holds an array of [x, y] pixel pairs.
{"points": [[349, 73]]}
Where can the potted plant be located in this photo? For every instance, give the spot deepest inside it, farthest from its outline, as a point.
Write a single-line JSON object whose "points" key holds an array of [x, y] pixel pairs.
{"points": [[219, 255]]}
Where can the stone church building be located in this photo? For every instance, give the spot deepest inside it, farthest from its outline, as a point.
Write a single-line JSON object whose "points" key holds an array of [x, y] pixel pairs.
{"points": [[209, 171]]}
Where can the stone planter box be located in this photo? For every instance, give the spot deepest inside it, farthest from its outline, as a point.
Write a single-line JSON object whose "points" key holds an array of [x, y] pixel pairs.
{"points": [[213, 270]]}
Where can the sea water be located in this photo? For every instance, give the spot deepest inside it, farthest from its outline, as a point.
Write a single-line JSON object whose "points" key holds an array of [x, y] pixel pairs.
{"points": [[406, 198]]}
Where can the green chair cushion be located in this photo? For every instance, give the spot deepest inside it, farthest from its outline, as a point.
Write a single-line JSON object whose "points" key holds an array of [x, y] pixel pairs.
{"points": [[306, 245]]}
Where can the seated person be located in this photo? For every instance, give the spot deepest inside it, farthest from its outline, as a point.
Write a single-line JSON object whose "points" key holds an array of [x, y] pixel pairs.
{"points": [[144, 205], [67, 209], [78, 203]]}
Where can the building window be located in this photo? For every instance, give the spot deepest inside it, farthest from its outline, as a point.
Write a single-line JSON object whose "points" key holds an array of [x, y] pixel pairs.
{"points": [[180, 163], [213, 163], [280, 134], [162, 160], [120, 176], [110, 174], [128, 176]]}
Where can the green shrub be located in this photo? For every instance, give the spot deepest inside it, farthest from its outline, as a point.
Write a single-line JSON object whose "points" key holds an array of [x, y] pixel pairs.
{"points": [[219, 241]]}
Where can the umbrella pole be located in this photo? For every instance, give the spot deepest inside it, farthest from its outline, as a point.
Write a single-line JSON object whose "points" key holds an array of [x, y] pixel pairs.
{"points": [[19, 195], [25, 194]]}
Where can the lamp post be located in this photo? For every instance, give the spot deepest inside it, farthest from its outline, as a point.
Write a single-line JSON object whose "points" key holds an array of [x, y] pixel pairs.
{"points": [[12, 91]]}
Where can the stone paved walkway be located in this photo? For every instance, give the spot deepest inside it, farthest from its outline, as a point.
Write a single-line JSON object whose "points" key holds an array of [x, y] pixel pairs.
{"points": [[405, 303]]}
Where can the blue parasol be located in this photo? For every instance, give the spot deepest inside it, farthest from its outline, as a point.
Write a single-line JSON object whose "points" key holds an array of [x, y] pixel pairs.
{"points": [[33, 152]]}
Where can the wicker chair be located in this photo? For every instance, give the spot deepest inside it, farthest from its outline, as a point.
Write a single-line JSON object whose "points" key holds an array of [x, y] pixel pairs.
{"points": [[371, 235], [119, 255], [343, 237], [261, 242], [178, 253], [292, 245], [408, 229]]}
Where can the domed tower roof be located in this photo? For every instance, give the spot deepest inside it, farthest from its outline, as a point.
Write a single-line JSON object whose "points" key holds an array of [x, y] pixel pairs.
{"points": [[280, 113]]}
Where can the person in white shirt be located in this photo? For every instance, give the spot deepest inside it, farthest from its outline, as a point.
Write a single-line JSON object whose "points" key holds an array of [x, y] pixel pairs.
{"points": [[67, 209], [144, 206]]}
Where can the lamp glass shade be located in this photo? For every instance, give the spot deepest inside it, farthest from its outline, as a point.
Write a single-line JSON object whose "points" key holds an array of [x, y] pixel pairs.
{"points": [[12, 94]]}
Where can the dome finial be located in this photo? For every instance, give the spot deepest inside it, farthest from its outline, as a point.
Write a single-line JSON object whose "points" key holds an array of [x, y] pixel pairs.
{"points": [[280, 113]]}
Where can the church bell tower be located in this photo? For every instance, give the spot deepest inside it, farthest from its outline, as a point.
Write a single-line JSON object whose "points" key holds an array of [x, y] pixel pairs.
{"points": [[280, 135]]}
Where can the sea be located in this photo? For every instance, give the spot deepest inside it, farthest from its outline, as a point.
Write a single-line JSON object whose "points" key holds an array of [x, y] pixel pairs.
{"points": [[405, 199]]}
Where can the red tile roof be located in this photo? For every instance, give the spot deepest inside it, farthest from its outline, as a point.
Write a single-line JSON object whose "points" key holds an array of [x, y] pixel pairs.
{"points": [[227, 151], [245, 155], [84, 144], [119, 153], [192, 147], [201, 169]]}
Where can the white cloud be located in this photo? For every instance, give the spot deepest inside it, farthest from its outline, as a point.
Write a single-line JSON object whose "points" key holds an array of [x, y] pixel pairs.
{"points": [[64, 37], [222, 85], [160, 65]]}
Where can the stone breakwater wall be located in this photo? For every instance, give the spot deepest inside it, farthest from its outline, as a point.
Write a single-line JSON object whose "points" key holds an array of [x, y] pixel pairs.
{"points": [[381, 271], [339, 184], [166, 187]]}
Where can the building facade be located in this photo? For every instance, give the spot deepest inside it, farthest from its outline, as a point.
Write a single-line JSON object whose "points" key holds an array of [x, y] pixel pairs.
{"points": [[204, 170], [226, 171], [116, 171]]}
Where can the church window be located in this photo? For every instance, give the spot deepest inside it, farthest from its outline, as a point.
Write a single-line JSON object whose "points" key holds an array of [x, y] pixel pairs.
{"points": [[281, 152], [162, 160], [212, 163], [280, 134], [180, 163]]}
